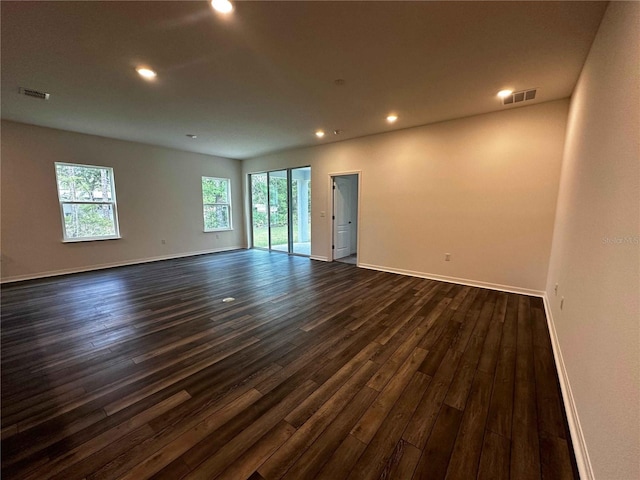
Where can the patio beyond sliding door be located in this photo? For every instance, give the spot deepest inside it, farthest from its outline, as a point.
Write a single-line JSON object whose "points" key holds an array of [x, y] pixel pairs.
{"points": [[280, 210]]}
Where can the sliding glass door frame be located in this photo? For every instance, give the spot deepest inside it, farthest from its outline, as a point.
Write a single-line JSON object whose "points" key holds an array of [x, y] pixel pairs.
{"points": [[289, 212], [290, 233]]}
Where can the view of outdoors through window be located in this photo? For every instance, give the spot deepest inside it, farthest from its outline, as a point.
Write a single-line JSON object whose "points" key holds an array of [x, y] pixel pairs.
{"points": [[87, 201], [216, 201], [259, 210]]}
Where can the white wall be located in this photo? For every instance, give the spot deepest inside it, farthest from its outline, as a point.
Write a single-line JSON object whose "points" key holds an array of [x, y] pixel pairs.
{"points": [[482, 188], [595, 257], [158, 192]]}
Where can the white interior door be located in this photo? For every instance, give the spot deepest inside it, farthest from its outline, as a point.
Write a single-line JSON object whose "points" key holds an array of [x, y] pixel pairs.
{"points": [[342, 217]]}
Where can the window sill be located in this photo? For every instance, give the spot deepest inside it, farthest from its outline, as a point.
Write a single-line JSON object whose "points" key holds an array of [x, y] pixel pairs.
{"points": [[219, 230], [90, 239]]}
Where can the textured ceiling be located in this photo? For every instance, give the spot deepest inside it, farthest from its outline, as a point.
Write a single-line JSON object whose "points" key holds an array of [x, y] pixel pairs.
{"points": [[262, 79]]}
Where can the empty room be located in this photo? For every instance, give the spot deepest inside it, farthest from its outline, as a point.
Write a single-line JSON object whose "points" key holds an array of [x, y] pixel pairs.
{"points": [[320, 240]]}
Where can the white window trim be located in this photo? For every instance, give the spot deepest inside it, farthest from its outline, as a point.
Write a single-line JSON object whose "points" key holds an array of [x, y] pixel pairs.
{"points": [[228, 205], [113, 203]]}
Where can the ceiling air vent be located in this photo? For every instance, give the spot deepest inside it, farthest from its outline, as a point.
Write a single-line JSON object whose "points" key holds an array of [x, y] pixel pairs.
{"points": [[33, 93], [521, 96]]}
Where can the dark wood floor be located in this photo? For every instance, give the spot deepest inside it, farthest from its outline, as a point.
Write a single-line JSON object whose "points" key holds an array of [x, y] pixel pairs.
{"points": [[317, 370]]}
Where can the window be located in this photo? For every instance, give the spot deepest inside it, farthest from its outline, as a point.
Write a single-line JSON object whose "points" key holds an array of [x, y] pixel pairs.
{"points": [[216, 202], [87, 202]]}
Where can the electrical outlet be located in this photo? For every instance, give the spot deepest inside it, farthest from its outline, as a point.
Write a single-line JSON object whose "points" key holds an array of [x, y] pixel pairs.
{"points": [[217, 237], [555, 289], [447, 257], [163, 241], [561, 303]]}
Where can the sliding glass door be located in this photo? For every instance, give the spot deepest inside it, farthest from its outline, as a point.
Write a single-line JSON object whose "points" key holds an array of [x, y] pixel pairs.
{"points": [[259, 210], [280, 210], [301, 210]]}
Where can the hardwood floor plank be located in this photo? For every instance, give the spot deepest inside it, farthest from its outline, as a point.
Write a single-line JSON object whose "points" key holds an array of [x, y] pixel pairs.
{"points": [[555, 458], [184, 442], [436, 354], [207, 464], [471, 346], [432, 314], [402, 463], [490, 351], [249, 462], [381, 446], [312, 460], [104, 392], [425, 416], [397, 324], [202, 405], [525, 450], [118, 405], [174, 471], [9, 431], [435, 458], [468, 445], [311, 429], [399, 356], [494, 462], [368, 425], [501, 407], [44, 441], [317, 399], [549, 402], [181, 419], [469, 319], [97, 443], [342, 460], [112, 457]]}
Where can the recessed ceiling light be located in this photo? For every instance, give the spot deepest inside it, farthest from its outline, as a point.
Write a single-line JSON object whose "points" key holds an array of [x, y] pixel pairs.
{"points": [[504, 93], [192, 136], [319, 133], [146, 73], [222, 6], [392, 118]]}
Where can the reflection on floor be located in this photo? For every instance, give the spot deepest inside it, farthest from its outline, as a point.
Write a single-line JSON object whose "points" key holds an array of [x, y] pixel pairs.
{"points": [[301, 248], [351, 259]]}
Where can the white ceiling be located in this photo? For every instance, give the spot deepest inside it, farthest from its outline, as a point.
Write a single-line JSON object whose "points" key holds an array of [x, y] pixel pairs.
{"points": [[262, 79]]}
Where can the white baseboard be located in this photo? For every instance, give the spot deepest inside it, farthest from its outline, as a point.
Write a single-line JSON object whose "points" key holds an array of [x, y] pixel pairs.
{"points": [[459, 281], [577, 436], [102, 266], [319, 258]]}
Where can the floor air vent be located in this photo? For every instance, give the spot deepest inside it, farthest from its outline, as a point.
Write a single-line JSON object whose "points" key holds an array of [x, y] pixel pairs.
{"points": [[521, 96], [34, 93]]}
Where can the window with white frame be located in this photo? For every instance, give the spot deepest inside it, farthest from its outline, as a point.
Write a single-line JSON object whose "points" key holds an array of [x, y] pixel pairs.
{"points": [[87, 198], [216, 203]]}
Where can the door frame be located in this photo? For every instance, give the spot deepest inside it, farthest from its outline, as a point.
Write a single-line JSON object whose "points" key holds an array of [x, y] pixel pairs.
{"points": [[330, 221]]}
